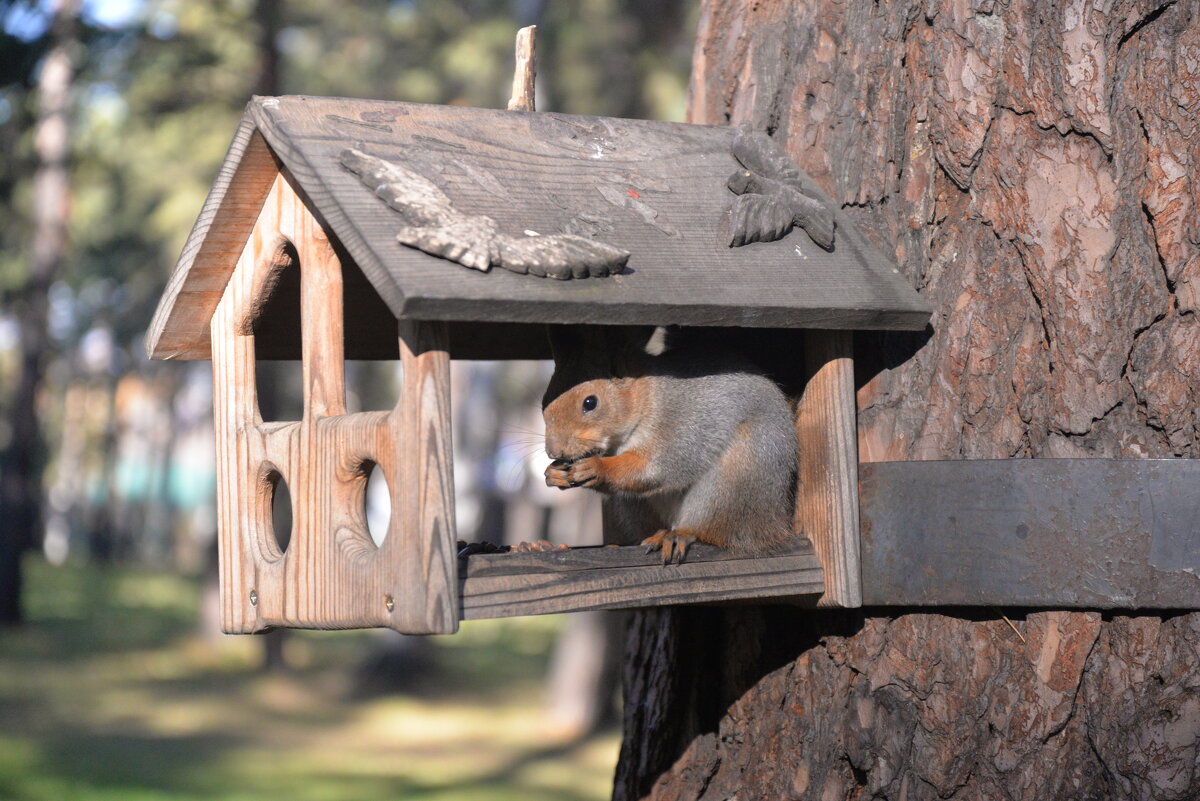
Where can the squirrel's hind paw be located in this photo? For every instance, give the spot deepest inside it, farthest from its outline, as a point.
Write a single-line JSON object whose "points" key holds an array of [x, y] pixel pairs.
{"points": [[672, 542]]}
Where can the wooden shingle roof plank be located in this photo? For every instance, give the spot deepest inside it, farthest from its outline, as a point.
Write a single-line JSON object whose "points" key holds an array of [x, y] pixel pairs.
{"points": [[545, 171], [179, 329], [658, 190]]}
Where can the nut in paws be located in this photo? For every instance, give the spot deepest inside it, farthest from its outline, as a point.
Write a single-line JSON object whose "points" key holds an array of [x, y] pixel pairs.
{"points": [[557, 474], [584, 472]]}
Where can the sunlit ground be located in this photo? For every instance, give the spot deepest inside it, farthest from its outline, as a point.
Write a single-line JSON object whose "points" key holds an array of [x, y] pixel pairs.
{"points": [[109, 693]]}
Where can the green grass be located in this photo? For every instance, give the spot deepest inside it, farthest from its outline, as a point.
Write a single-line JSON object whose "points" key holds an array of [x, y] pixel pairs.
{"points": [[109, 693]]}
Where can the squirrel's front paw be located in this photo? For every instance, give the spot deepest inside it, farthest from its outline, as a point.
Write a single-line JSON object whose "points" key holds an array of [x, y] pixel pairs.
{"points": [[558, 474], [584, 472]]}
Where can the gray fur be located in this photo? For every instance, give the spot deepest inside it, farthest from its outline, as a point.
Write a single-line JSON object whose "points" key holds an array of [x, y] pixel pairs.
{"points": [[703, 476]]}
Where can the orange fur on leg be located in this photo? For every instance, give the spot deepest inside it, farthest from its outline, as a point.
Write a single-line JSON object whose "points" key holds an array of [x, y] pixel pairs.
{"points": [[625, 472]]}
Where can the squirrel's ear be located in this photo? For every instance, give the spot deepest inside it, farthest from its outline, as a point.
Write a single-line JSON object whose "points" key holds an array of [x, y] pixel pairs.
{"points": [[657, 344], [644, 340]]}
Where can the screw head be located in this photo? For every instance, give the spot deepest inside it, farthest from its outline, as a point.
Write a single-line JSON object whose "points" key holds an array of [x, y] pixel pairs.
{"points": [[390, 603], [253, 598]]}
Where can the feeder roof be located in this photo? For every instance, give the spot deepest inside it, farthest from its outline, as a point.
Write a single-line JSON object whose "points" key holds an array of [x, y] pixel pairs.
{"points": [[654, 189]]}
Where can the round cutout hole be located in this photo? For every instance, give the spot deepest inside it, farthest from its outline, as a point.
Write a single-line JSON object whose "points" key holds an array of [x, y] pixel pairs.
{"points": [[281, 514], [378, 500]]}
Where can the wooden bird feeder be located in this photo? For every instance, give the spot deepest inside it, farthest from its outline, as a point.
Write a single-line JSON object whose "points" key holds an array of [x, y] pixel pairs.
{"points": [[421, 233]]}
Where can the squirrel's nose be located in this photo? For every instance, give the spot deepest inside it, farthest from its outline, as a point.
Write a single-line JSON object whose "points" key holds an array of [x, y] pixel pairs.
{"points": [[553, 447]]}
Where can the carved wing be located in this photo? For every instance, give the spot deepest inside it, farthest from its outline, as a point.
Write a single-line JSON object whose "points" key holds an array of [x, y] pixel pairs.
{"points": [[770, 190], [561, 256], [758, 218], [470, 241], [758, 153], [435, 226], [417, 198]]}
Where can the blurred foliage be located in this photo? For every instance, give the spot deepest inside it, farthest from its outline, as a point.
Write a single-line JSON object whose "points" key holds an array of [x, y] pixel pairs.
{"points": [[159, 94], [110, 695], [160, 87]]}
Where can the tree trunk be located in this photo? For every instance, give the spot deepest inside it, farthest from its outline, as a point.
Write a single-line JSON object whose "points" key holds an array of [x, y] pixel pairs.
{"points": [[21, 463], [1032, 167], [268, 15]]}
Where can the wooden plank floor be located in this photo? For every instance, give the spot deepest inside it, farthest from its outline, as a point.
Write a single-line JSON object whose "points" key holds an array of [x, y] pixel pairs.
{"points": [[606, 577]]}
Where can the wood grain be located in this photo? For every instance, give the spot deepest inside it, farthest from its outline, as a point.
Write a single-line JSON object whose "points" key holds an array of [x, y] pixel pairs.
{"points": [[537, 172], [428, 220], [425, 499], [593, 557], [524, 71], [331, 575], [179, 329], [655, 189], [504, 585], [827, 479]]}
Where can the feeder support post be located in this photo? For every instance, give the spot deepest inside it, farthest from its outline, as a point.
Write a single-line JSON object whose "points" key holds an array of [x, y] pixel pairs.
{"points": [[524, 72]]}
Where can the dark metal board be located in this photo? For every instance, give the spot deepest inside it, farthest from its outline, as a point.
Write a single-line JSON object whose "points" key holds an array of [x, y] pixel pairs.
{"points": [[1096, 533]]}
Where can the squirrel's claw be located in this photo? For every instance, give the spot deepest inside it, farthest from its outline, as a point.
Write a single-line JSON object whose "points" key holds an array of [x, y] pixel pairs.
{"points": [[583, 472], [558, 474], [671, 542]]}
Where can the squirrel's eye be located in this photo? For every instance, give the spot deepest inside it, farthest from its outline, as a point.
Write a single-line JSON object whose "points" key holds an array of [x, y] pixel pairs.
{"points": [[590, 403]]}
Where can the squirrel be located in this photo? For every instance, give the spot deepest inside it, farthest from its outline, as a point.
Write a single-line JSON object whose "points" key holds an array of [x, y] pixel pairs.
{"points": [[690, 444]]}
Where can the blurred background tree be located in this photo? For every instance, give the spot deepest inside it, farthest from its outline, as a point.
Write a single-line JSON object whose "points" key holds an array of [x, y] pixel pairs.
{"points": [[106, 459], [157, 88]]}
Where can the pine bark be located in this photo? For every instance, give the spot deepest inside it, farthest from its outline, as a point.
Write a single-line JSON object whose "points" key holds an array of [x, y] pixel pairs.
{"points": [[1032, 166]]}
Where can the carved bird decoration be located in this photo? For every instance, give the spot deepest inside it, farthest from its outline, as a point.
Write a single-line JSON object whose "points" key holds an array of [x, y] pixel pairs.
{"points": [[435, 226], [771, 197]]}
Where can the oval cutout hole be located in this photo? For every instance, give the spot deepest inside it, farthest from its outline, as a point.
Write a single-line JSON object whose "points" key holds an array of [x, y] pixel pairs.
{"points": [[281, 514], [378, 501]]}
